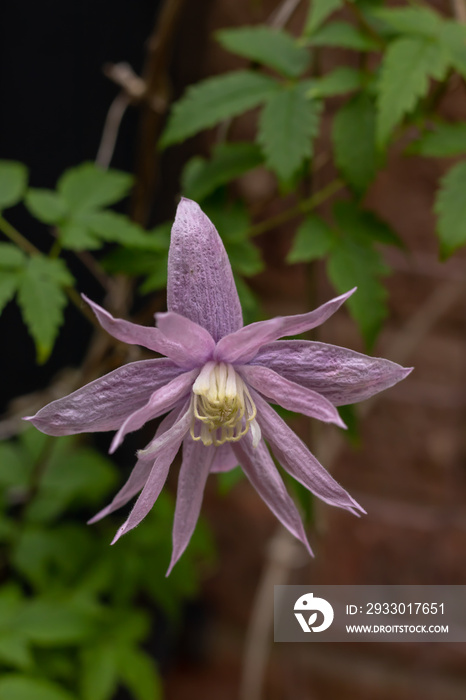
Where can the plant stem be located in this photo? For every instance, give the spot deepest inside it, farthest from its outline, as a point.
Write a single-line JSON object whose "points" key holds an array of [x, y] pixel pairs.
{"points": [[303, 207], [17, 237]]}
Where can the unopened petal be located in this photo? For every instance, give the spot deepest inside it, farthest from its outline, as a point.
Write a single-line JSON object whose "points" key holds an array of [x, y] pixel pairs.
{"points": [[195, 468], [343, 376], [200, 282], [290, 395], [295, 457], [264, 476], [243, 345], [105, 403]]}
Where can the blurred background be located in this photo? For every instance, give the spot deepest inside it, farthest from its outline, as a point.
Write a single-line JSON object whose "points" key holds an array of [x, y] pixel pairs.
{"points": [[81, 620]]}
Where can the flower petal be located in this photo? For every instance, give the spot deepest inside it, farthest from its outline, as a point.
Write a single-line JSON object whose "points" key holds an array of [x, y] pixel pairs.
{"points": [[168, 443], [290, 395], [200, 281], [195, 468], [160, 402], [196, 340], [264, 476], [139, 474], [224, 460], [134, 334], [243, 345], [106, 402], [295, 457], [343, 376]]}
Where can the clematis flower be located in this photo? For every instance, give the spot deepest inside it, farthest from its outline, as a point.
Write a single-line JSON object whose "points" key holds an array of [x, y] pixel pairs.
{"points": [[215, 384]]}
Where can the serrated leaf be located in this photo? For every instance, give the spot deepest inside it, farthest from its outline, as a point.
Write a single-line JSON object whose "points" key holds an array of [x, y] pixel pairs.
{"points": [[410, 20], [450, 207], [215, 99], [399, 88], [445, 140], [77, 236], [46, 205], [230, 160], [338, 82], [319, 10], [453, 38], [313, 240], [357, 223], [42, 300], [287, 126], [13, 181], [11, 257], [353, 137], [271, 47], [343, 35], [19, 687], [99, 674], [139, 674], [9, 282], [113, 228], [88, 187]]}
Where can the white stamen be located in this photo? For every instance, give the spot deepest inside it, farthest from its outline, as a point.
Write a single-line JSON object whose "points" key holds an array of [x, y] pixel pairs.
{"points": [[223, 406]]}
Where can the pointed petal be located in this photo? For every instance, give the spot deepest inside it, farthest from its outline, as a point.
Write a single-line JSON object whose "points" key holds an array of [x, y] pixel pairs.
{"points": [[196, 340], [341, 375], [134, 334], [263, 475], [224, 460], [106, 402], [290, 395], [195, 467], [295, 457], [139, 474], [243, 345], [200, 281], [160, 402], [169, 443]]}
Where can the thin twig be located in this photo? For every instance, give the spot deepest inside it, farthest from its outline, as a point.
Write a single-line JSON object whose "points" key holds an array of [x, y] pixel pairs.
{"points": [[459, 10], [283, 13], [111, 128]]}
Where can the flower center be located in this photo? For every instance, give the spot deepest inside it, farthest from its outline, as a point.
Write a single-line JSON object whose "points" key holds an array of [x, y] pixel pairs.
{"points": [[223, 410]]}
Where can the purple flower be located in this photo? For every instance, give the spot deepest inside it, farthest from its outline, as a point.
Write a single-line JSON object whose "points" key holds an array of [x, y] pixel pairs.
{"points": [[215, 383]]}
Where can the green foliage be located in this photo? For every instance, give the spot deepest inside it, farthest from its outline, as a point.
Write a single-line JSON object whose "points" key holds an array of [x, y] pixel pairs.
{"points": [[343, 35], [17, 687], [450, 207], [410, 20], [443, 141], [42, 300], [338, 82], [288, 125], [400, 89], [214, 100], [314, 239], [271, 47], [13, 182], [319, 10], [354, 146], [201, 177], [87, 187]]}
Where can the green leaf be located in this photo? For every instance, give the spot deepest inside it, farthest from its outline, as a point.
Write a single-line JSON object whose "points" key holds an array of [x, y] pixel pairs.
{"points": [[445, 140], [99, 673], [54, 623], [230, 160], [245, 258], [215, 99], [453, 38], [11, 257], [88, 187], [139, 674], [338, 82], [271, 47], [9, 282], [343, 35], [450, 207], [410, 20], [313, 240], [288, 124], [13, 182], [318, 12], [19, 687], [14, 651], [357, 222], [77, 236], [353, 137], [112, 227], [46, 205], [399, 88], [42, 300], [14, 469]]}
